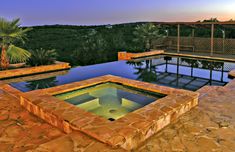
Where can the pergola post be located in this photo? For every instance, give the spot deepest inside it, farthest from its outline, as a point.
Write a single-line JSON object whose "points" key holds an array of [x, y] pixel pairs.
{"points": [[212, 38], [193, 35], [223, 32], [178, 39]]}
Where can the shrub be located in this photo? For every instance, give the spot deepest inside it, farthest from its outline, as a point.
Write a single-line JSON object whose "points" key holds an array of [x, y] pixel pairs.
{"points": [[42, 57]]}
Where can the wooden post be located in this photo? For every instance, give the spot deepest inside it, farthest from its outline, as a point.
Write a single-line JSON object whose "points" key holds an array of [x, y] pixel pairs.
{"points": [[193, 35], [178, 39], [212, 39], [223, 31]]}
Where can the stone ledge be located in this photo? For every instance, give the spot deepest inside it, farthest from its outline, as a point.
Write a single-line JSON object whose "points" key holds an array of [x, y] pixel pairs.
{"points": [[232, 74], [129, 56], [126, 132], [33, 70]]}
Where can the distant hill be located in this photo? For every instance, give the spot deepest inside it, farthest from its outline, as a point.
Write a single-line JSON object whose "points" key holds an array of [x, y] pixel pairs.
{"points": [[84, 45]]}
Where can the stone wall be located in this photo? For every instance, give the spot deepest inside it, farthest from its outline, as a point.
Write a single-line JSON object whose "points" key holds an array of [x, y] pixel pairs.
{"points": [[33, 70], [128, 56]]}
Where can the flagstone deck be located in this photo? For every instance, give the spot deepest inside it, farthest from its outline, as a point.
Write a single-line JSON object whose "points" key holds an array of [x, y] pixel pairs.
{"points": [[19, 130], [209, 127]]}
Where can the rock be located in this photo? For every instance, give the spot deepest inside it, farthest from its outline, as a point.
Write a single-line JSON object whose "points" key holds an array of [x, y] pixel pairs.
{"points": [[4, 115], [54, 133], [224, 124], [207, 144], [13, 131]]}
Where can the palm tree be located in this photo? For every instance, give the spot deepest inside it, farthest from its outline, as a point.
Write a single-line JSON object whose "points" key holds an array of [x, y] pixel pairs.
{"points": [[146, 33], [10, 31]]}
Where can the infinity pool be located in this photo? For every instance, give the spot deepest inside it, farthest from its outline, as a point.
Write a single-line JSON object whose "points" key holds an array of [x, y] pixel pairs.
{"points": [[173, 71], [109, 100]]}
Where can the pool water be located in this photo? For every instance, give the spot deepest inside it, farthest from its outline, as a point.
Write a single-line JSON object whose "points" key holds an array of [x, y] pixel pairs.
{"points": [[109, 100], [172, 71]]}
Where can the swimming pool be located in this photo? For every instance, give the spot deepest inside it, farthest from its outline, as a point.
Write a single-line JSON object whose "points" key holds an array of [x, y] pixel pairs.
{"points": [[174, 71], [109, 100]]}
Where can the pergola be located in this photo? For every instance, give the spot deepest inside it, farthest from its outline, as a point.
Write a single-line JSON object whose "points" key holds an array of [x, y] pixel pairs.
{"points": [[211, 25]]}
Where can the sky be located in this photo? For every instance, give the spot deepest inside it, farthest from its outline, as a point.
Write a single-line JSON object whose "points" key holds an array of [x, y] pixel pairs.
{"points": [[97, 12]]}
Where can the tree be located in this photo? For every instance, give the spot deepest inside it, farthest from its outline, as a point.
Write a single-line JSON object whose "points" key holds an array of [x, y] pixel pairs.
{"points": [[146, 33], [10, 31]]}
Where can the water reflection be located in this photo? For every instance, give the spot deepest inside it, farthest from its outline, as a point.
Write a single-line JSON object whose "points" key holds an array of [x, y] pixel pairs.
{"points": [[172, 71], [42, 84], [180, 72]]}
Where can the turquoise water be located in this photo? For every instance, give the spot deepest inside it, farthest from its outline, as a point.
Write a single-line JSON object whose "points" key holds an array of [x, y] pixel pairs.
{"points": [[109, 100]]}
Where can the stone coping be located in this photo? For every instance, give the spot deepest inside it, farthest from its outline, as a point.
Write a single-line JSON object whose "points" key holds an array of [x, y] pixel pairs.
{"points": [[35, 78], [127, 132], [33, 70], [199, 56], [129, 56], [232, 74]]}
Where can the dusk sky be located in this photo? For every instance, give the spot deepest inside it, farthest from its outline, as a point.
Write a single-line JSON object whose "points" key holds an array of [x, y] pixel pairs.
{"points": [[94, 12]]}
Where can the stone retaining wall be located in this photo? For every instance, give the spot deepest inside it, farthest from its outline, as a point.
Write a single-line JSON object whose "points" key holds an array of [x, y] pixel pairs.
{"points": [[33, 70]]}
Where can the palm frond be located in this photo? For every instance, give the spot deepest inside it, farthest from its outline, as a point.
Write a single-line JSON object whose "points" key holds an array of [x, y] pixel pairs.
{"points": [[11, 31], [17, 55]]}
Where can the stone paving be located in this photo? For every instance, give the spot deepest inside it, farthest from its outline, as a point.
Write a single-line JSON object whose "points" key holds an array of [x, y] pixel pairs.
{"points": [[19, 130], [208, 128]]}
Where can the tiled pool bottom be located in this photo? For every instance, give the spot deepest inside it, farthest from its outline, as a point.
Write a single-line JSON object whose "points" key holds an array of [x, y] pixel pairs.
{"points": [[126, 132], [109, 100]]}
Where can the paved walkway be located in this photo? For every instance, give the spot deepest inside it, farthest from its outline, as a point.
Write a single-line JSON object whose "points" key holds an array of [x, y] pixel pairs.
{"points": [[208, 128]]}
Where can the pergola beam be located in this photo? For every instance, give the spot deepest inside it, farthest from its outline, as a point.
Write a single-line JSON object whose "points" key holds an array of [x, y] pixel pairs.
{"points": [[196, 23]]}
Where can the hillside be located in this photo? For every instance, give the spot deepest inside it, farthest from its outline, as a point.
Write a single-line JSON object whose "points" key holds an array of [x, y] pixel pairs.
{"points": [[84, 45]]}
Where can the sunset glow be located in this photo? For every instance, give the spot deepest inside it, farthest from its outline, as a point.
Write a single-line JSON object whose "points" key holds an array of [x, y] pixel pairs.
{"points": [[114, 11]]}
